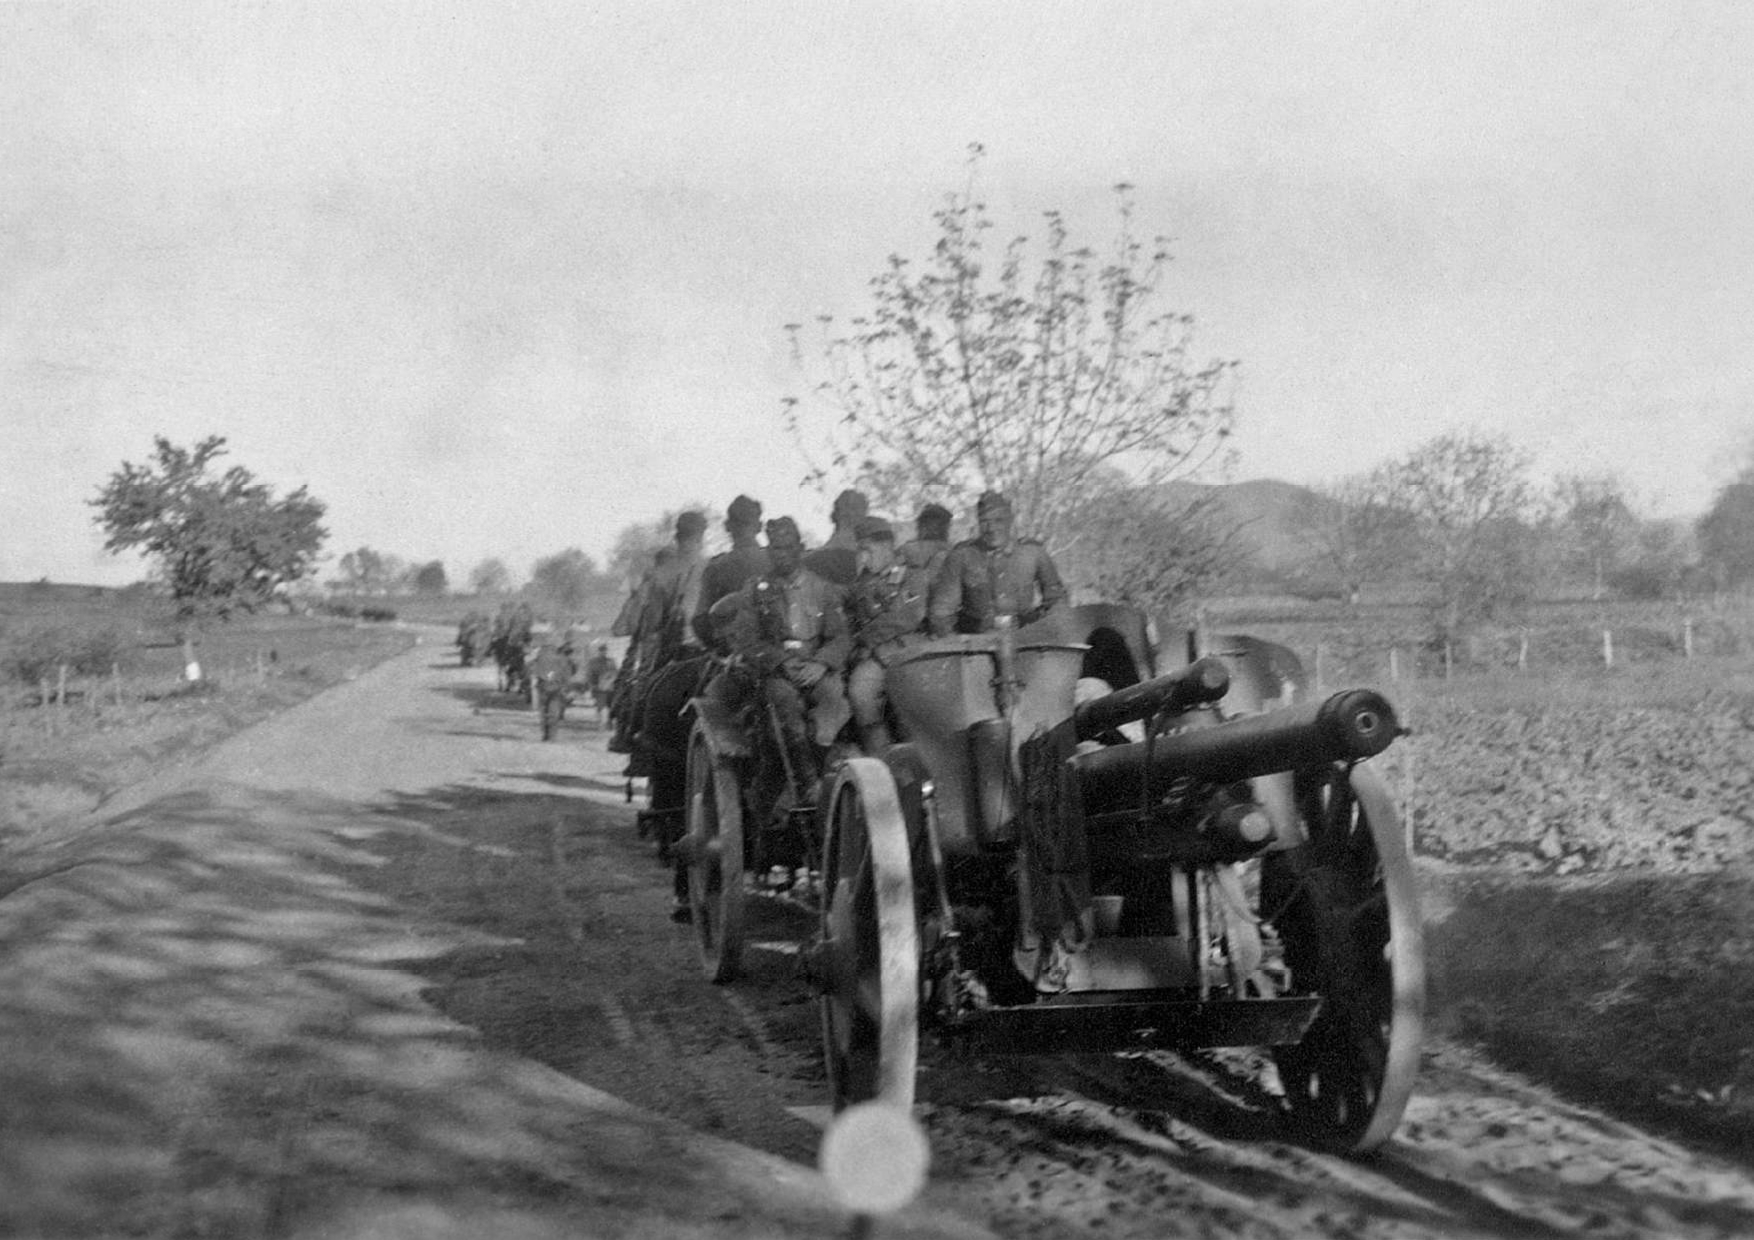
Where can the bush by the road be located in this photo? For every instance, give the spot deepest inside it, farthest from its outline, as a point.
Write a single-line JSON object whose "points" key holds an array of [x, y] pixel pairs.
{"points": [[39, 652]]}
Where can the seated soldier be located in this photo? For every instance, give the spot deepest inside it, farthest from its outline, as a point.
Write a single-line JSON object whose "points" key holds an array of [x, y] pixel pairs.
{"points": [[789, 628], [994, 579], [837, 559], [727, 572], [925, 553], [801, 639], [886, 608]]}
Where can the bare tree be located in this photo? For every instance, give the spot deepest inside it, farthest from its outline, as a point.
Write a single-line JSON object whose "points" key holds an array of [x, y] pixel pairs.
{"points": [[1356, 530], [1155, 555], [1056, 378], [1471, 507]]}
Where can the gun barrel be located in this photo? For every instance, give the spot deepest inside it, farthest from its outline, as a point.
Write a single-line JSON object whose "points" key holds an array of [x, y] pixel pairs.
{"points": [[1205, 680], [1347, 726]]}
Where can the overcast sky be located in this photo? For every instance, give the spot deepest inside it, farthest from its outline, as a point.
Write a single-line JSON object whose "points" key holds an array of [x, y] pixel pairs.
{"points": [[499, 280]]}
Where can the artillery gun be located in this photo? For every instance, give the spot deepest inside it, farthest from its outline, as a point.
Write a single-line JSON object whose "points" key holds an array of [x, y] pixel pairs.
{"points": [[1073, 850]]}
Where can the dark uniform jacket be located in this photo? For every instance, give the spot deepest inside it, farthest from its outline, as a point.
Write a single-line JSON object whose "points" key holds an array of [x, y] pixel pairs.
{"points": [[803, 615], [724, 575], [885, 608], [669, 606], [976, 585], [836, 560], [924, 558]]}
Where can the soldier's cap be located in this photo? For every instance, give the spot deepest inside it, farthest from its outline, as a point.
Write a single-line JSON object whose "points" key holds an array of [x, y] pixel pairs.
{"points": [[991, 501], [933, 516], [744, 511], [851, 504], [689, 523], [783, 532], [874, 529]]}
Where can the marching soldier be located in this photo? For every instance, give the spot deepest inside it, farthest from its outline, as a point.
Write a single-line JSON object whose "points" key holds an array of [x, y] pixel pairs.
{"points": [[887, 608], [553, 669], [600, 679], [993, 575]]}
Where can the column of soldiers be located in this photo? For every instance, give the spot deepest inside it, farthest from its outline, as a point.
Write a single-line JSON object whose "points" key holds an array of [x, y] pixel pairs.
{"points": [[816, 631], [818, 628]]}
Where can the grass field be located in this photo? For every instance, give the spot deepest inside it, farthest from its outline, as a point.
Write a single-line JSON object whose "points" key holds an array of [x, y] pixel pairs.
{"points": [[67, 743]]}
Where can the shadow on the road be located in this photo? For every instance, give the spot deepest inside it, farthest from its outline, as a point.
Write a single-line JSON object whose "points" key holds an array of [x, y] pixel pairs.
{"points": [[210, 1030], [483, 697], [1629, 992], [582, 783]]}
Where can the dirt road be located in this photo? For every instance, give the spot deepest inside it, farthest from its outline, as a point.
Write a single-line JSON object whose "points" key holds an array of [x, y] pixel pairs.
{"points": [[389, 965]]}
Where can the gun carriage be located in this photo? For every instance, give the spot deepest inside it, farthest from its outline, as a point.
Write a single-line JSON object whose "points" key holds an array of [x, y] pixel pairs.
{"points": [[1073, 850]]}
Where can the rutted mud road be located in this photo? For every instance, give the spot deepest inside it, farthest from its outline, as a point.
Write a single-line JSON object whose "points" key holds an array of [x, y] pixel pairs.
{"points": [[603, 987], [549, 943]]}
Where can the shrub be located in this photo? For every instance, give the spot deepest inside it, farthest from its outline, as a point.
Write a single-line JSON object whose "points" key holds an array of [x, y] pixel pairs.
{"points": [[35, 654]]}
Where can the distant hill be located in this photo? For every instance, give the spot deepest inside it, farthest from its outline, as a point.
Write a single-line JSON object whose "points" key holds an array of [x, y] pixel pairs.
{"points": [[1266, 512]]}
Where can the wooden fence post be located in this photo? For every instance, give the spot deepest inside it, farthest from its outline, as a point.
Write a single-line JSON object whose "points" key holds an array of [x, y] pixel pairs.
{"points": [[61, 684], [1394, 663], [1608, 648], [1522, 653], [1449, 658], [1320, 678], [1687, 637], [116, 682]]}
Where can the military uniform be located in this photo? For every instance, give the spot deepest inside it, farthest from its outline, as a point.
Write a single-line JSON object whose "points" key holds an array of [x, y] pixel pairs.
{"points": [[886, 608], [553, 669], [792, 631], [923, 558], [669, 605], [802, 641], [993, 575], [724, 575], [978, 584], [837, 559]]}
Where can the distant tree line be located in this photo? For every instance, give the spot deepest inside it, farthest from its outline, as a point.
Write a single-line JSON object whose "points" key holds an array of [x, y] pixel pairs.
{"points": [[1462, 521]]}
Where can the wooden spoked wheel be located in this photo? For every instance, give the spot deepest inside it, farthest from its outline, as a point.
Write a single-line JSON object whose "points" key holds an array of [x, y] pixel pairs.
{"points": [[1346, 909], [870, 942], [712, 845]]}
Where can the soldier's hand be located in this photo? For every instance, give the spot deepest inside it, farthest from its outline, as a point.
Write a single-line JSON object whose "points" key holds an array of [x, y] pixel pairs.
{"points": [[805, 672]]}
